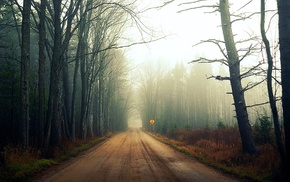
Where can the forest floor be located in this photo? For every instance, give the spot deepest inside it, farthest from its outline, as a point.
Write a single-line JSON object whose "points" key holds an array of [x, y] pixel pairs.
{"points": [[222, 149]]}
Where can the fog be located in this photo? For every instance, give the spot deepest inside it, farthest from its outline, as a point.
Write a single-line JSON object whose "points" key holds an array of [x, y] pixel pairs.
{"points": [[174, 92], [134, 122], [124, 64]]}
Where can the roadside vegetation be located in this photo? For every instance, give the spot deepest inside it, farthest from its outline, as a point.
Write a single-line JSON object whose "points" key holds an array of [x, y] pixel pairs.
{"points": [[19, 164], [221, 148]]}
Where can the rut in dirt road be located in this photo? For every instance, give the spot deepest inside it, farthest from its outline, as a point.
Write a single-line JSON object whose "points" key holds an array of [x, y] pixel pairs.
{"points": [[133, 156]]}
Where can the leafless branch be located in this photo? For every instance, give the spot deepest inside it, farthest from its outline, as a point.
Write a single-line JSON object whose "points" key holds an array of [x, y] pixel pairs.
{"points": [[279, 82], [245, 5], [17, 4], [205, 60], [269, 24], [260, 104], [217, 43], [251, 85], [199, 7], [218, 77], [250, 72], [115, 46], [247, 53], [247, 40], [273, 77], [243, 17], [192, 2], [158, 7]]}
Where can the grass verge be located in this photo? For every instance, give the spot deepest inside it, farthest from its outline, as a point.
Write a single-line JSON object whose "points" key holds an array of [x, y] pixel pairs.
{"points": [[263, 167]]}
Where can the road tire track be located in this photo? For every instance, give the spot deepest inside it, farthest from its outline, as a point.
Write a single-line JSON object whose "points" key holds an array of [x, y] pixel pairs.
{"points": [[133, 156]]}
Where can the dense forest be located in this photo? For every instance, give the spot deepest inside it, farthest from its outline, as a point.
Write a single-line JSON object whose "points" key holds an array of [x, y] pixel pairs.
{"points": [[63, 79], [64, 75]]}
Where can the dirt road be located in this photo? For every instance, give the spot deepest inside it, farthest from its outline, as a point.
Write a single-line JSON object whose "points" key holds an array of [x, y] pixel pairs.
{"points": [[133, 156]]}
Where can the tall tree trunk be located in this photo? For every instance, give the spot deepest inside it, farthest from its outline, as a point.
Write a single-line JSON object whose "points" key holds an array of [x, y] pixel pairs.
{"points": [[69, 101], [74, 90], [25, 64], [41, 74], [79, 57], [235, 79], [83, 90], [284, 40], [96, 110], [66, 98], [85, 69], [270, 91], [100, 102], [53, 115]]}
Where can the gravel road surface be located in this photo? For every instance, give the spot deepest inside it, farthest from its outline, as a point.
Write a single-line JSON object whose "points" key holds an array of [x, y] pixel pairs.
{"points": [[132, 156]]}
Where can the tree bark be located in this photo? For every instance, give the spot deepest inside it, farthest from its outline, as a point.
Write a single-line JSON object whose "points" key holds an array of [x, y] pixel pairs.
{"points": [[41, 74], [100, 103], [284, 40], [235, 79], [269, 88], [66, 97], [74, 90], [83, 90], [25, 66], [54, 100]]}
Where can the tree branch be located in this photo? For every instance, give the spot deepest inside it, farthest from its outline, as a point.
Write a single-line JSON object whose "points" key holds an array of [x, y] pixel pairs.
{"points": [[158, 7], [243, 17], [218, 77], [205, 60], [260, 104], [250, 71], [192, 2], [245, 5], [247, 53], [251, 85], [217, 43], [199, 7]]}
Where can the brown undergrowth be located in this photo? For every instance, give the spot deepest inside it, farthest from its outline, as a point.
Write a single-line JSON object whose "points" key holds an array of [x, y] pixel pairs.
{"points": [[21, 163], [222, 149]]}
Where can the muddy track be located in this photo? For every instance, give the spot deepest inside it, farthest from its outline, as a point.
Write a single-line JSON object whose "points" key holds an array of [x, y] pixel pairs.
{"points": [[132, 156]]}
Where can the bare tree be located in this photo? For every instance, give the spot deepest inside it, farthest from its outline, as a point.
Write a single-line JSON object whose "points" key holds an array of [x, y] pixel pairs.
{"points": [[53, 136], [41, 73], [25, 65], [284, 40], [270, 90], [150, 85], [232, 59], [62, 33], [235, 79]]}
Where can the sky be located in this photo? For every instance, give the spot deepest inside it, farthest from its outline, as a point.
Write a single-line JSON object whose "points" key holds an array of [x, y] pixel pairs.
{"points": [[182, 30], [185, 29]]}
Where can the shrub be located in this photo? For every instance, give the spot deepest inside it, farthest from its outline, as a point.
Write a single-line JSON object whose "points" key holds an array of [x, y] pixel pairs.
{"points": [[221, 124], [19, 155], [222, 148], [262, 130], [170, 133]]}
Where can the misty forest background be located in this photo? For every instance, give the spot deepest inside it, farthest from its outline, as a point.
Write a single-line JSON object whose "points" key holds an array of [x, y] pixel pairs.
{"points": [[64, 76]]}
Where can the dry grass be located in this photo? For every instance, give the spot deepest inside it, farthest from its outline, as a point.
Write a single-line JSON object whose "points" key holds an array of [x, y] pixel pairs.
{"points": [[21, 163], [222, 149], [19, 155]]}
